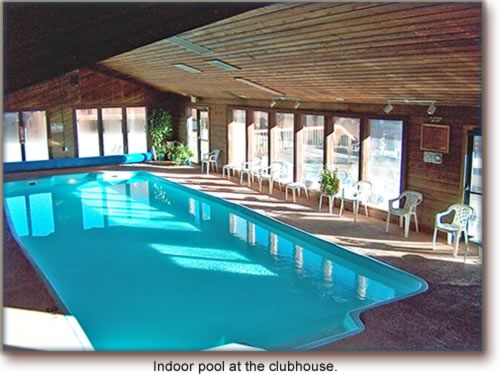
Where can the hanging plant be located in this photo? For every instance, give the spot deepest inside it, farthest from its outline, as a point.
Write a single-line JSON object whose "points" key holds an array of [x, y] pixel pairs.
{"points": [[160, 130]]}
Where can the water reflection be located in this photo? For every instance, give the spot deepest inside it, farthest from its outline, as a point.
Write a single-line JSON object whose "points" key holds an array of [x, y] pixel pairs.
{"points": [[362, 283], [298, 257], [273, 244], [32, 214], [223, 236], [327, 271]]}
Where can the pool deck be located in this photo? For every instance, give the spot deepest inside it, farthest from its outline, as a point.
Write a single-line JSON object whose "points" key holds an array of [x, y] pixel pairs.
{"points": [[448, 317]]}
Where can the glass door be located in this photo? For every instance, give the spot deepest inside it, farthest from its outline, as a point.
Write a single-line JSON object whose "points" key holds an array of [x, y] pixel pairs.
{"points": [[136, 130], [197, 129], [474, 183], [112, 131], [35, 136], [204, 136], [192, 133], [87, 128]]}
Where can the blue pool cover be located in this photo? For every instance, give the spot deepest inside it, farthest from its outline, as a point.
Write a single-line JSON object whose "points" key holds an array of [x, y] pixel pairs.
{"points": [[23, 166]]}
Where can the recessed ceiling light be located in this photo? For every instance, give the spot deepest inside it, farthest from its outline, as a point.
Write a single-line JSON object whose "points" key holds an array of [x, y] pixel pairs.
{"points": [[190, 46], [187, 68], [258, 86], [340, 99], [223, 65]]}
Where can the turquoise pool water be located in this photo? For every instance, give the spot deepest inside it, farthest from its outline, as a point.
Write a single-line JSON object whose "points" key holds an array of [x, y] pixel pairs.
{"points": [[147, 264]]}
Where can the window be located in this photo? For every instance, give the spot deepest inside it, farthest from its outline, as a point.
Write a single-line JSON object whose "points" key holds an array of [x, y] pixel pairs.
{"points": [[112, 131], [258, 134], [11, 141], [282, 143], [382, 150], [237, 138], [25, 136], [88, 132], [343, 146], [105, 131], [312, 136], [136, 130]]}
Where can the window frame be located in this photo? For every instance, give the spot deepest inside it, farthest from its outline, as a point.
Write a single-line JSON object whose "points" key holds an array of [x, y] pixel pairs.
{"points": [[19, 111], [100, 128]]}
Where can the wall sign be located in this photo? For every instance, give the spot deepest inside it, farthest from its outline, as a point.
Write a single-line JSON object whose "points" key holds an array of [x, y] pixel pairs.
{"points": [[56, 127], [435, 137]]}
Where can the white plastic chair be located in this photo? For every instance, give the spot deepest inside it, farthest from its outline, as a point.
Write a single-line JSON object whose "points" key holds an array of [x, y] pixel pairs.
{"points": [[250, 169], [461, 216], [232, 168], [359, 193], [411, 200], [271, 174], [210, 160]]}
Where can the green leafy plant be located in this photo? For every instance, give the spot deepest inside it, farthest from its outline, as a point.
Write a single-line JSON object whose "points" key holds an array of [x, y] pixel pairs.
{"points": [[330, 182], [182, 154], [160, 130]]}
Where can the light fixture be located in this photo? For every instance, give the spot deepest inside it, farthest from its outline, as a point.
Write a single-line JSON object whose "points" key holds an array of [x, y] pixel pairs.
{"points": [[388, 108], [190, 46], [432, 109], [339, 99], [223, 65], [296, 105], [187, 68], [273, 103], [258, 86]]}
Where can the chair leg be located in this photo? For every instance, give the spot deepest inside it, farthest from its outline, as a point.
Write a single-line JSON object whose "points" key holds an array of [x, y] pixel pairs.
{"points": [[260, 184], [341, 206], [366, 210], [387, 221], [407, 225], [466, 251], [293, 195], [320, 202], [456, 243], [271, 186], [434, 238], [401, 221], [355, 208], [416, 221], [307, 195], [286, 193], [449, 238]]}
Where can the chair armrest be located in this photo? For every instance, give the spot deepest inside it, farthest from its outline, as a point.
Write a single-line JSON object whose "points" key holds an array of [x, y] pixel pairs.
{"points": [[440, 215], [391, 201]]}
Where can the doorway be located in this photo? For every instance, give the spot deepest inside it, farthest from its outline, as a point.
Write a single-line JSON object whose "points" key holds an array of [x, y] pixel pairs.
{"points": [[473, 186], [198, 133]]}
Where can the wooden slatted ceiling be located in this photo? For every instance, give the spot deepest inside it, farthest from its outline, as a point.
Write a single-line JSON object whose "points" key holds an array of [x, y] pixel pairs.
{"points": [[360, 52]]}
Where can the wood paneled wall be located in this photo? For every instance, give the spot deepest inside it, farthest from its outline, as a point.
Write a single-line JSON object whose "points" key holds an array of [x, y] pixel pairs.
{"points": [[83, 88], [441, 184]]}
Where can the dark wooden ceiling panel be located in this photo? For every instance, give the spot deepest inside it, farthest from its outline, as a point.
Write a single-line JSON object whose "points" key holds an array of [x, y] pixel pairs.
{"points": [[356, 52], [43, 40]]}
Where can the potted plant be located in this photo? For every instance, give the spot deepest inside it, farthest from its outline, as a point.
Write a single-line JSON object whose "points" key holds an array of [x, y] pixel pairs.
{"points": [[182, 155], [160, 131], [330, 183]]}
